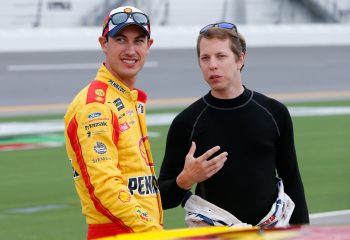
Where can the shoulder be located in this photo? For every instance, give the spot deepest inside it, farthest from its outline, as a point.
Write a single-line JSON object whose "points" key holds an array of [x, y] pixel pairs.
{"points": [[276, 109], [272, 105], [90, 101], [190, 113], [183, 123]]}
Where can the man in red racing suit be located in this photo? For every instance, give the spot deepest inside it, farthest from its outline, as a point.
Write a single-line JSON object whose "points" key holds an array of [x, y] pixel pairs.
{"points": [[107, 142]]}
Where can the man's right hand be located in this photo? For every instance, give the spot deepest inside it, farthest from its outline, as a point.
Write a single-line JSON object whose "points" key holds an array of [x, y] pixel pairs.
{"points": [[199, 169]]}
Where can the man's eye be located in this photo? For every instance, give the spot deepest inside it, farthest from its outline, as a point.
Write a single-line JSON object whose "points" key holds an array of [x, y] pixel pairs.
{"points": [[121, 40], [140, 40]]}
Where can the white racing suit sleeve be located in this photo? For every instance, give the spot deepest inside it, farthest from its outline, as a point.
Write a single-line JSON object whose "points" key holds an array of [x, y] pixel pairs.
{"points": [[200, 213], [281, 210]]}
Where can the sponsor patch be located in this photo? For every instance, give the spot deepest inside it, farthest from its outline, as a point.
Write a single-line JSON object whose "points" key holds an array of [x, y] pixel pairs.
{"points": [[89, 133], [124, 126], [116, 85], [119, 104], [143, 215], [98, 124], [132, 122], [94, 115], [100, 148], [101, 159], [100, 92], [95, 120], [140, 108], [124, 196], [130, 112], [143, 185], [100, 95], [121, 116]]}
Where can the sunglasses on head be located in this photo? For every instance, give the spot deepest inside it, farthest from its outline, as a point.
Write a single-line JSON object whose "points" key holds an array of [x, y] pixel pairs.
{"points": [[122, 17], [224, 25]]}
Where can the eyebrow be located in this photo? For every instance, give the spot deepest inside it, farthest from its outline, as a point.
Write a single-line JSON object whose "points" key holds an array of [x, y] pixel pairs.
{"points": [[214, 53], [139, 36], [221, 53]]}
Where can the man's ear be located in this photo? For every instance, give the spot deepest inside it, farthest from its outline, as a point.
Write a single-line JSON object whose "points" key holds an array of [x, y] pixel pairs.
{"points": [[103, 42], [150, 42], [241, 61]]}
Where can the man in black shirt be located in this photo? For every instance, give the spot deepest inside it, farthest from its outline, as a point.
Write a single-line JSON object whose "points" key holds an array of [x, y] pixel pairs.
{"points": [[253, 132]]}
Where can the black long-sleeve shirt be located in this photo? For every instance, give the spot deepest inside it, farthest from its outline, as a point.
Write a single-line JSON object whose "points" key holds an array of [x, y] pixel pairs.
{"points": [[257, 133]]}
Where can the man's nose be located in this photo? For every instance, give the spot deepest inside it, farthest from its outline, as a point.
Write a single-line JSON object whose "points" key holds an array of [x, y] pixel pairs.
{"points": [[130, 48], [213, 64]]}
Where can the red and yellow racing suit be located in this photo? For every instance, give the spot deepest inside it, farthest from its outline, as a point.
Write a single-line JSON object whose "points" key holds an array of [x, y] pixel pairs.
{"points": [[108, 146]]}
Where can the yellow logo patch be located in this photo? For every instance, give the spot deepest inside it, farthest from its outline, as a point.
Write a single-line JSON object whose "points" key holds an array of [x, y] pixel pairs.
{"points": [[124, 196], [99, 92]]}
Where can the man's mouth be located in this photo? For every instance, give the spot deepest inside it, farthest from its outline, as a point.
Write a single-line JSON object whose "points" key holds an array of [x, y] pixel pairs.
{"points": [[129, 61], [214, 76]]}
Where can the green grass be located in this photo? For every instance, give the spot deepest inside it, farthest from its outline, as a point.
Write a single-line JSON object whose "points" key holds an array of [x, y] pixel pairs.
{"points": [[323, 147], [41, 177], [32, 178]]}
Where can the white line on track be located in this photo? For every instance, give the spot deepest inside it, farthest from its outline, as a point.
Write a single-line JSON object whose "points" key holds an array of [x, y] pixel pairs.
{"points": [[62, 66], [329, 214], [318, 111], [49, 126], [169, 102], [36, 208], [49, 207]]}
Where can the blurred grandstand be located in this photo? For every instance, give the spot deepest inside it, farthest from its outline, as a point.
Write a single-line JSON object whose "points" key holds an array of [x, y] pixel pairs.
{"points": [[76, 13]]}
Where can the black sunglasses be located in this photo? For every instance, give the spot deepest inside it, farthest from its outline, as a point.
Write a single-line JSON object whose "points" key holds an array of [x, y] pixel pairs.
{"points": [[122, 17], [224, 25]]}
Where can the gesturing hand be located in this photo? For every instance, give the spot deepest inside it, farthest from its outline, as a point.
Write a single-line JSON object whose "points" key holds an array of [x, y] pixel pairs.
{"points": [[199, 169]]}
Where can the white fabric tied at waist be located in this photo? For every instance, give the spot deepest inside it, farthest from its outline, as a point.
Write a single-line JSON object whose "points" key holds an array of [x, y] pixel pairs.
{"points": [[200, 213]]}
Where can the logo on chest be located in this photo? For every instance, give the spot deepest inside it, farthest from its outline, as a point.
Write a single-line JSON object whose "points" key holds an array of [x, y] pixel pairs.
{"points": [[119, 104]]}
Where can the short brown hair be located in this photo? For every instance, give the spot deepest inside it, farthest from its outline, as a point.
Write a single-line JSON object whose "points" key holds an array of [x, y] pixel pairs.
{"points": [[238, 44]]}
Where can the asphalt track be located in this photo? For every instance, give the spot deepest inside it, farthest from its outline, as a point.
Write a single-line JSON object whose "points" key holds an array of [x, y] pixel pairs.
{"points": [[45, 82]]}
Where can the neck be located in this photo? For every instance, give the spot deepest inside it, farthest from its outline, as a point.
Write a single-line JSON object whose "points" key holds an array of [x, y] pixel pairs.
{"points": [[130, 83], [228, 94], [126, 80]]}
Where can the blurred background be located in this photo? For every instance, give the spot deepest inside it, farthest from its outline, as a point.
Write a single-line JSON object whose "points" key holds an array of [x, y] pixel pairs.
{"points": [[75, 13]]}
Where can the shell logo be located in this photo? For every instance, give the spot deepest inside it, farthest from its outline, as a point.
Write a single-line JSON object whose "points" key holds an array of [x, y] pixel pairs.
{"points": [[99, 92], [127, 10], [124, 196]]}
